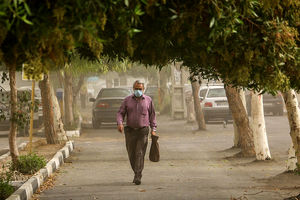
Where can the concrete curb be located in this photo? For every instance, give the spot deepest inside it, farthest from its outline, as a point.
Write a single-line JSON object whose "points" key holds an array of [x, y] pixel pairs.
{"points": [[75, 133], [31, 185], [20, 147]]}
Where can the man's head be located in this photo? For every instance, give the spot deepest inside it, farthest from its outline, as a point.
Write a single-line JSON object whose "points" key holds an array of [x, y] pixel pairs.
{"points": [[138, 88]]}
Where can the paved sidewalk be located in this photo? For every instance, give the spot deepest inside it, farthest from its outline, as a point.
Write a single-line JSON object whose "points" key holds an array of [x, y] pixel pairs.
{"points": [[194, 165]]}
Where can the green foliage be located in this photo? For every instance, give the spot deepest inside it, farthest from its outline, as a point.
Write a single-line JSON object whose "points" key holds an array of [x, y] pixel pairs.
{"points": [[5, 188], [243, 43], [253, 44], [28, 164]]}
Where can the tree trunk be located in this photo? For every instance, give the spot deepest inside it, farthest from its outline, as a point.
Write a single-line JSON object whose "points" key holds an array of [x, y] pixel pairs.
{"points": [[13, 148], [198, 110], [58, 123], [291, 164], [240, 117], [48, 114], [259, 128], [237, 140], [68, 98], [76, 91], [293, 114]]}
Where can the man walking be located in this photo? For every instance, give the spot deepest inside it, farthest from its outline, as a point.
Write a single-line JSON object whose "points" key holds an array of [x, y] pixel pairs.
{"points": [[140, 114]]}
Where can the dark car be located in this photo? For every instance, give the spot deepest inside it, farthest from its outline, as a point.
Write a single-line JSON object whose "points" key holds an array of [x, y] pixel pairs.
{"points": [[107, 104], [272, 104]]}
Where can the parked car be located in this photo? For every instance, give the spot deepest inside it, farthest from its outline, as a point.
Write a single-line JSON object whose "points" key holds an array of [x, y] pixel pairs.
{"points": [[272, 104], [214, 102], [107, 104]]}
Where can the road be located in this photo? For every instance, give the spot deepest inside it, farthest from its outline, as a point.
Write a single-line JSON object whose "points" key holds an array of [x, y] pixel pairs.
{"points": [[194, 165]]}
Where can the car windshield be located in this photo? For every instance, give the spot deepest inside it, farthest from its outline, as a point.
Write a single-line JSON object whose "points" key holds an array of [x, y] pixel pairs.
{"points": [[106, 93], [216, 92]]}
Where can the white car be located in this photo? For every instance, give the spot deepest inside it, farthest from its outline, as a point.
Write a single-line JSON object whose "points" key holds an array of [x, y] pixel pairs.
{"points": [[214, 103]]}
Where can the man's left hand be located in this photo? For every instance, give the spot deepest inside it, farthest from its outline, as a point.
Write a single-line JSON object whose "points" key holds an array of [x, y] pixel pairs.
{"points": [[153, 133]]}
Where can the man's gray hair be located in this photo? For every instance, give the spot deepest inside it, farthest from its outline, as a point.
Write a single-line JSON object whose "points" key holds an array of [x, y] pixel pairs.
{"points": [[138, 82]]}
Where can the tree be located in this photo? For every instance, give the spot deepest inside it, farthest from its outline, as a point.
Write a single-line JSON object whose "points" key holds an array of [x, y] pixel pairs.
{"points": [[198, 110], [48, 111], [259, 128], [12, 54], [293, 114], [240, 117], [237, 134]]}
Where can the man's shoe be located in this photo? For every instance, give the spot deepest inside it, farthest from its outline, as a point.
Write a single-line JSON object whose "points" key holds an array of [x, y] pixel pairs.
{"points": [[137, 179], [137, 182]]}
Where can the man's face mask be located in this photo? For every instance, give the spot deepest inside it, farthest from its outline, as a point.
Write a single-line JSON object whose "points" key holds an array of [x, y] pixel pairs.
{"points": [[138, 93]]}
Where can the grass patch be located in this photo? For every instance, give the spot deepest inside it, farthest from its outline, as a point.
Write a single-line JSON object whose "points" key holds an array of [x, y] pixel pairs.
{"points": [[28, 164], [5, 188]]}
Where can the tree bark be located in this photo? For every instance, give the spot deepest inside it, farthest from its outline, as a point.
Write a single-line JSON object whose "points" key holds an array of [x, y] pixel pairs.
{"points": [[237, 140], [240, 117], [58, 123], [77, 88], [198, 110], [291, 164], [48, 114], [68, 98], [76, 91], [293, 114], [13, 148], [259, 128]]}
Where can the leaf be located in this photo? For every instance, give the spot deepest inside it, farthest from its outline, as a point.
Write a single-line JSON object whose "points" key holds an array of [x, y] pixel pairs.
{"points": [[254, 13], [212, 22], [173, 11], [174, 17], [239, 21], [27, 21], [27, 8], [136, 30], [138, 10], [126, 3]]}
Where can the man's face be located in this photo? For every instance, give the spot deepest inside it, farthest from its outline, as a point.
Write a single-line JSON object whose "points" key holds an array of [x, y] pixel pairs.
{"points": [[138, 87]]}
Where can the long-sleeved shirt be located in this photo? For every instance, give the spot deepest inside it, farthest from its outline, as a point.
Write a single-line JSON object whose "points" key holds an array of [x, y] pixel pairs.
{"points": [[139, 112]]}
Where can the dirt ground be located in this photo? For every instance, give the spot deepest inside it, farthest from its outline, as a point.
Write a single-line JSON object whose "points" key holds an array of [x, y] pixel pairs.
{"points": [[39, 147]]}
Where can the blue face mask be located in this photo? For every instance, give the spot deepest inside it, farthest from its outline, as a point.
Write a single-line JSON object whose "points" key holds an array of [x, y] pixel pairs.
{"points": [[138, 93]]}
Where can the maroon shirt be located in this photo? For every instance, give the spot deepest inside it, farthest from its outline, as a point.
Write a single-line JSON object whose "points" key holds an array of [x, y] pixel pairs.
{"points": [[139, 112]]}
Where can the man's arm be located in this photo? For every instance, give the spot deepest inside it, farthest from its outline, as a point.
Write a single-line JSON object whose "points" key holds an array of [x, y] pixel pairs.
{"points": [[152, 118], [121, 115]]}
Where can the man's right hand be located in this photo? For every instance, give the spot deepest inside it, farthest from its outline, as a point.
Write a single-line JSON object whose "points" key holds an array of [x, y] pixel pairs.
{"points": [[120, 128]]}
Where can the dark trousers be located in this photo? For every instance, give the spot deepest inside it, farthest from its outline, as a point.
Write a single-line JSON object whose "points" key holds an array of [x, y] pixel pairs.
{"points": [[136, 145]]}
